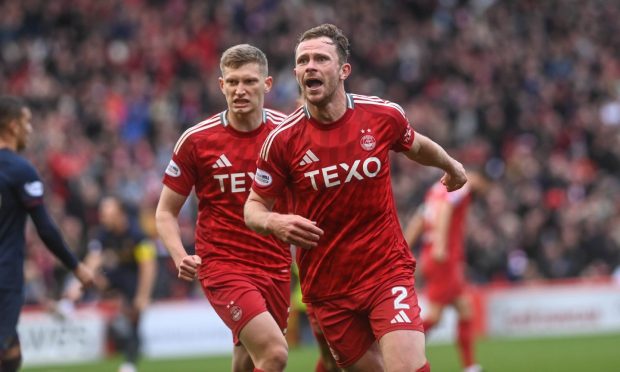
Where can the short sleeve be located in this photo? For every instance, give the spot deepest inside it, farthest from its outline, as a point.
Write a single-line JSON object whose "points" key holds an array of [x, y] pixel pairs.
{"points": [[402, 131], [271, 168], [180, 174]]}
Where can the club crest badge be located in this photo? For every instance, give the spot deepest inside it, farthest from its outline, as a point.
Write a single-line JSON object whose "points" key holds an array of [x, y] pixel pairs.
{"points": [[236, 313], [368, 141]]}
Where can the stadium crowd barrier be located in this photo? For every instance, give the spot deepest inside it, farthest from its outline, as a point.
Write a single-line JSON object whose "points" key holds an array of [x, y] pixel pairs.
{"points": [[191, 327]]}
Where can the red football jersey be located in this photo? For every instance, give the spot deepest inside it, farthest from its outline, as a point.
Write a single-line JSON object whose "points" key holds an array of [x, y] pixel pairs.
{"points": [[339, 176], [460, 200], [219, 162]]}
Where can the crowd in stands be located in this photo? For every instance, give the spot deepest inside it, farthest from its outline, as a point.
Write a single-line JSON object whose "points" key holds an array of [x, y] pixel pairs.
{"points": [[528, 91]]}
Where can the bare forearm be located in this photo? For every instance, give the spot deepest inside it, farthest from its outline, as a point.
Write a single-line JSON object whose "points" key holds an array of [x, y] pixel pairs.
{"points": [[426, 152], [170, 233], [146, 278], [413, 230], [439, 240], [441, 231], [289, 228], [257, 216]]}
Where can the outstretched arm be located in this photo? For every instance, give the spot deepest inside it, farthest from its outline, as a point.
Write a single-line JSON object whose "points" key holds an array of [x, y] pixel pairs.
{"points": [[167, 221], [426, 152], [52, 238], [290, 228]]}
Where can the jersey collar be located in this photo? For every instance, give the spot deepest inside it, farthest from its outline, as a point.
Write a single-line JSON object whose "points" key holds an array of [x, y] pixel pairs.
{"points": [[224, 119], [350, 105]]}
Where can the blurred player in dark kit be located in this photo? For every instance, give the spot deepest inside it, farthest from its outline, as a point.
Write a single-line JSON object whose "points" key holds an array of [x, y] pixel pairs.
{"points": [[126, 258], [21, 195]]}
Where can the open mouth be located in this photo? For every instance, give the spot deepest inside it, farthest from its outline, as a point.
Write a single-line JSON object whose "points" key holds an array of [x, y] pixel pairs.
{"points": [[313, 83]]}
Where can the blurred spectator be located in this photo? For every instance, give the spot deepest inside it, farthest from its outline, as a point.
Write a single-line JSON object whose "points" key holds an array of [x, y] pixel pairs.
{"points": [[127, 260], [528, 89]]}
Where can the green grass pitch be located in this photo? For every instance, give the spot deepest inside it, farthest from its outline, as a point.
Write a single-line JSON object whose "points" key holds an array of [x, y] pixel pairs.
{"points": [[569, 354]]}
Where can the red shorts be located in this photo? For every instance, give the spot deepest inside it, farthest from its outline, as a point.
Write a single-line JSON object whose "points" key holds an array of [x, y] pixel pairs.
{"points": [[353, 323], [314, 323], [237, 298], [444, 281]]}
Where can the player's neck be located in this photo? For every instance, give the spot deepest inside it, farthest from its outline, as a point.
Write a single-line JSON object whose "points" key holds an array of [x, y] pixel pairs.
{"points": [[245, 122], [8, 144], [331, 110]]}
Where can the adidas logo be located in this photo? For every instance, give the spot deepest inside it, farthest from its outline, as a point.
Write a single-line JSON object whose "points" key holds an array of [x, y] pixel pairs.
{"points": [[309, 157], [401, 317], [222, 162]]}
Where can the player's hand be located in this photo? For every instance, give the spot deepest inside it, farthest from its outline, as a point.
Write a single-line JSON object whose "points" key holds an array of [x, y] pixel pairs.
{"points": [[294, 229], [455, 178], [73, 291], [83, 278], [85, 275], [188, 267], [63, 308]]}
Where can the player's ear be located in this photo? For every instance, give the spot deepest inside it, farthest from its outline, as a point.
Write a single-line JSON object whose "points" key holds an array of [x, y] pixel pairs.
{"points": [[345, 71], [221, 81], [13, 126], [268, 83]]}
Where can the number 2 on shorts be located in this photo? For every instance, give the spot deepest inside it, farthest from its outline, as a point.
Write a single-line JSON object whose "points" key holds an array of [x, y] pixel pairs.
{"points": [[402, 294]]}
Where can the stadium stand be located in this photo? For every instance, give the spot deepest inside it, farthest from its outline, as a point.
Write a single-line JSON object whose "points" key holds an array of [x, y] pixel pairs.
{"points": [[527, 90]]}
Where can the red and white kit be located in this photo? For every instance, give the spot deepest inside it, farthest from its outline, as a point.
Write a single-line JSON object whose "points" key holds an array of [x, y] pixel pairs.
{"points": [[445, 281], [219, 162], [339, 176]]}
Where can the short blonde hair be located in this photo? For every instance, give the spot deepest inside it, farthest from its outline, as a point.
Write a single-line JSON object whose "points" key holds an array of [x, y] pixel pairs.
{"points": [[241, 54]]}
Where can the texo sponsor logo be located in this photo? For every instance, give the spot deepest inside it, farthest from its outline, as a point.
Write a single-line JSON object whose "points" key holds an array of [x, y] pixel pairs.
{"points": [[235, 182], [331, 177]]}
